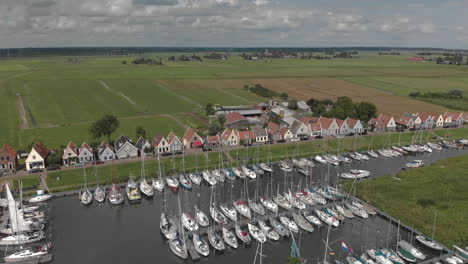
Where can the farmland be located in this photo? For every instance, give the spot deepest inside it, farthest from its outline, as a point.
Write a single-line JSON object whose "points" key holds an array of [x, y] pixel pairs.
{"points": [[61, 99]]}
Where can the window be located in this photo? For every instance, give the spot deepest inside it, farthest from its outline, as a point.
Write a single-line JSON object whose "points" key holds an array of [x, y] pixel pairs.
{"points": [[1, 158], [34, 157], [7, 158]]}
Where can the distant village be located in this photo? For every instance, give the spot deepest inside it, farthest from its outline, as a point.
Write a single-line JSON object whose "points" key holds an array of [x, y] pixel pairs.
{"points": [[264, 123]]}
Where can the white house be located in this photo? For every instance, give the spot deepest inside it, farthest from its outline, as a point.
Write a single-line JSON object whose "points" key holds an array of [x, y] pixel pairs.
{"points": [[124, 148], [261, 135], [344, 127], [355, 126], [174, 142], [438, 120], [37, 157], [299, 129], [70, 154], [160, 145], [106, 152], [315, 129], [85, 153], [286, 134], [230, 137], [329, 126]]}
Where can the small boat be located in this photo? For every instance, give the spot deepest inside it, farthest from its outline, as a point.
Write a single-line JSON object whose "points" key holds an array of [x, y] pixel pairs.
{"points": [[158, 184], [99, 195], [334, 213], [242, 235], [229, 174], [210, 179], [282, 202], [217, 216], [178, 247], [357, 211], [239, 173], [172, 183], [307, 162], [200, 245], [268, 231], [345, 212], [385, 153], [269, 204], [289, 224], [40, 196], [333, 160], [317, 198], [372, 253], [184, 182], [344, 159], [22, 239], [249, 172], [372, 154], [415, 164], [429, 243], [201, 218], [218, 175], [305, 198], [229, 238], [411, 249], [167, 227], [229, 212], [392, 256], [406, 255], [28, 254], [352, 260], [195, 178], [304, 171], [279, 228], [380, 258], [320, 159], [354, 156], [256, 233], [361, 156], [242, 208], [327, 219], [215, 241], [266, 167], [145, 188], [462, 252], [285, 167], [303, 223], [188, 222], [86, 197], [297, 163], [308, 215], [256, 207], [115, 196], [366, 260], [133, 194], [295, 202], [458, 259]]}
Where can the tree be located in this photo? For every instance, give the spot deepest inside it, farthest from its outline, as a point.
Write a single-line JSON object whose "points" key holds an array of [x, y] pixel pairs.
{"points": [[124, 62], [439, 60], [140, 132], [104, 126], [366, 111], [222, 119], [456, 93], [215, 128], [54, 158], [312, 102], [284, 96], [292, 104], [344, 107], [209, 109]]}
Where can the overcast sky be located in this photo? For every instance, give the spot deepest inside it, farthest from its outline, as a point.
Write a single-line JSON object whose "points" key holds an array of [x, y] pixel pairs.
{"points": [[234, 23]]}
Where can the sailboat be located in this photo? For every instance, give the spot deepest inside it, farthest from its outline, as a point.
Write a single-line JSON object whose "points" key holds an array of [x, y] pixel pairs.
{"points": [[229, 238], [217, 216], [177, 244], [99, 194], [229, 212], [268, 231], [279, 228], [184, 181], [189, 222], [167, 225], [289, 224], [256, 233], [254, 205], [29, 254], [201, 217], [115, 195], [411, 249], [158, 183], [209, 178], [85, 197], [430, 242], [172, 183], [41, 195], [242, 235], [308, 215], [145, 188], [303, 223], [214, 239], [133, 194], [200, 245]]}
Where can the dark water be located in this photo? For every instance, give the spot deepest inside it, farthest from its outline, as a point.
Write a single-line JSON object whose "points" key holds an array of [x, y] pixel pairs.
{"points": [[124, 234]]}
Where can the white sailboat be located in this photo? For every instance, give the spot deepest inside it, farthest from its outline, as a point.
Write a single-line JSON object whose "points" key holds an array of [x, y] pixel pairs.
{"points": [[145, 188], [289, 224], [99, 193], [41, 195], [177, 244], [200, 245], [158, 183], [268, 231], [85, 196], [201, 218], [229, 238], [167, 225], [28, 254], [256, 233]]}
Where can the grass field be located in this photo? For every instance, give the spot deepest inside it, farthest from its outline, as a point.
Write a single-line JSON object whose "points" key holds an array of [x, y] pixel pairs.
{"points": [[62, 98], [421, 192]]}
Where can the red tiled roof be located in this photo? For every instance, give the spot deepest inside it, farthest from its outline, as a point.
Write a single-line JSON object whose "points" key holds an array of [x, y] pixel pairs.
{"points": [[213, 139], [325, 122], [246, 134], [86, 146], [456, 116], [11, 151], [41, 149], [156, 140], [424, 116], [315, 126], [339, 122], [283, 131], [227, 133], [234, 117], [170, 138], [72, 147], [404, 120], [273, 128], [189, 134]]}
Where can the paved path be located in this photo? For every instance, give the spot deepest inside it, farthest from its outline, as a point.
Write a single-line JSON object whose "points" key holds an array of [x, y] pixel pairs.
{"points": [[123, 95], [22, 112]]}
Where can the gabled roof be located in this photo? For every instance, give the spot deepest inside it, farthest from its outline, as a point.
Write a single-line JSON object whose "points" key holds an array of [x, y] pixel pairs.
{"points": [[351, 122], [104, 145], [307, 119], [227, 133], [295, 125], [273, 128], [405, 120], [171, 137], [71, 146], [234, 117], [246, 134], [141, 142], [189, 134], [7, 149], [339, 122], [425, 116], [283, 131], [213, 139], [41, 149], [86, 146], [455, 116], [325, 122], [121, 141], [259, 132], [315, 127], [156, 140], [385, 119]]}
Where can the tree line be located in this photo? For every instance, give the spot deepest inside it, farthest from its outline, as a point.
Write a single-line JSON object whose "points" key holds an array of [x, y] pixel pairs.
{"points": [[342, 108]]}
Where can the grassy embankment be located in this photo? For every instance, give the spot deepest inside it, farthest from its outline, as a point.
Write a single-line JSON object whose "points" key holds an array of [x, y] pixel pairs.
{"points": [[441, 187]]}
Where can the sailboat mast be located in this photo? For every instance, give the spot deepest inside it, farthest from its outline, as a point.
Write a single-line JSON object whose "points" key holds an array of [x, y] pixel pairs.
{"points": [[433, 226]]}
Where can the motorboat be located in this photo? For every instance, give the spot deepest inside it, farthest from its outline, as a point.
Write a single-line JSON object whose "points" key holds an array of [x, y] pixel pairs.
{"points": [[415, 164], [256, 207], [40, 196], [167, 227], [215, 240], [411, 249], [269, 204], [115, 195], [309, 216], [28, 254], [256, 233], [133, 194], [22, 239], [99, 195], [200, 245], [331, 160], [239, 173], [185, 182], [372, 154], [229, 212], [285, 167], [279, 228], [201, 218], [242, 235], [326, 218], [209, 178], [86, 197], [249, 172], [266, 167], [146, 189], [158, 184], [242, 208], [289, 224], [229, 238], [217, 216], [462, 252], [344, 211], [303, 223], [282, 202], [357, 211], [406, 255], [172, 183], [195, 178], [188, 222], [178, 247], [268, 231], [320, 159]]}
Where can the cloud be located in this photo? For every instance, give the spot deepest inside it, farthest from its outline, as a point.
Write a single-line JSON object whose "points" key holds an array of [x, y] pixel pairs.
{"points": [[155, 2], [406, 25]]}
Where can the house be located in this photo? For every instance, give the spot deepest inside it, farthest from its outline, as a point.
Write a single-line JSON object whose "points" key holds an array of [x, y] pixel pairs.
{"points": [[299, 129], [191, 139], [124, 148], [447, 119], [236, 120], [383, 123], [212, 142], [246, 137], [37, 157], [273, 131], [106, 152], [355, 126], [457, 119], [174, 143], [405, 122], [261, 135], [438, 120], [329, 126], [286, 134], [85, 153], [344, 127], [144, 147], [8, 160], [315, 129], [70, 154], [427, 120], [161, 146], [230, 137]]}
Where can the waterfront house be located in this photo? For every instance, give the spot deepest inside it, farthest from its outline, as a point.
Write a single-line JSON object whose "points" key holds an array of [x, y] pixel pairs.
{"points": [[344, 127], [124, 148], [329, 126], [273, 131], [405, 122], [230, 137], [70, 154], [315, 129], [175, 143], [427, 120], [355, 126], [37, 157], [383, 123], [457, 118], [161, 146], [246, 137], [144, 146], [236, 120], [447, 119], [85, 153], [191, 139], [106, 152], [299, 129], [8, 159], [261, 135], [438, 120], [212, 142], [286, 134]]}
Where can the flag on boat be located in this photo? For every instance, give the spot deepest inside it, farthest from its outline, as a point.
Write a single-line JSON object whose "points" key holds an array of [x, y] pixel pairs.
{"points": [[332, 253], [346, 247]]}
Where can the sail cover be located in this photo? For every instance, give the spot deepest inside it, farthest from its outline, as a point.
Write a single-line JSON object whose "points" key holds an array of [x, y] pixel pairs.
{"points": [[16, 217]]}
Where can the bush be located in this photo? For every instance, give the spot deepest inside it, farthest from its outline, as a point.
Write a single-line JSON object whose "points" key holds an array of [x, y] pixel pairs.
{"points": [[425, 202]]}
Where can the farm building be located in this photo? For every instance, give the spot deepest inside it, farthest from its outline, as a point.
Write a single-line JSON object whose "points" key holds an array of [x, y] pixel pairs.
{"points": [[37, 157], [235, 120], [106, 152], [8, 159], [70, 154], [124, 148], [85, 153]]}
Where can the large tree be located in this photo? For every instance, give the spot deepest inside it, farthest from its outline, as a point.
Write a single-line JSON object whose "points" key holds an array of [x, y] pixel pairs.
{"points": [[104, 126], [366, 111], [140, 132]]}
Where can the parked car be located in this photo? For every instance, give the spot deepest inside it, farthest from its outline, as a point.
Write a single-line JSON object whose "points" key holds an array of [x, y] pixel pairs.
{"points": [[294, 139], [97, 162], [79, 165], [37, 170], [53, 168]]}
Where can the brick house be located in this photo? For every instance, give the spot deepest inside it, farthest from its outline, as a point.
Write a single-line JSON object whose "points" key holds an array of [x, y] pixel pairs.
{"points": [[8, 159]]}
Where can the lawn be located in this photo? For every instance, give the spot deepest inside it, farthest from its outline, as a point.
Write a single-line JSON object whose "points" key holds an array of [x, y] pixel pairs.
{"points": [[421, 193]]}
